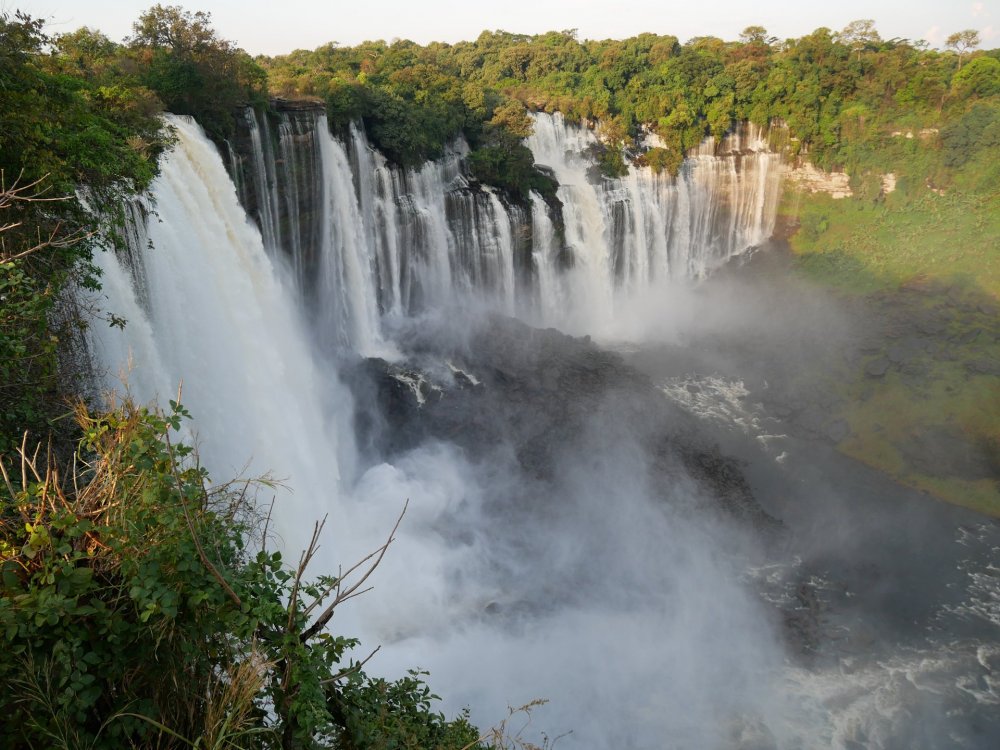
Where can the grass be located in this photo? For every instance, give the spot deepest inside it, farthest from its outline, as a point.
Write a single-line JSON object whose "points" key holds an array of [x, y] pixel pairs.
{"points": [[930, 267], [864, 247]]}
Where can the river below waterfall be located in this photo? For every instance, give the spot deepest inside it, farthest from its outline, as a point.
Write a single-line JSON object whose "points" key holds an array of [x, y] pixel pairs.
{"points": [[609, 507]]}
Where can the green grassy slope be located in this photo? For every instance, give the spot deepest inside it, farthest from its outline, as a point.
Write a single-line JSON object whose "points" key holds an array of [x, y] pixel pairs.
{"points": [[923, 399]]}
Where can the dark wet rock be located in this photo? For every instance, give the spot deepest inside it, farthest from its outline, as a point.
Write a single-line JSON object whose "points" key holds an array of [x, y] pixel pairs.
{"points": [[724, 479], [915, 374], [932, 326], [983, 366], [802, 619], [779, 410], [753, 735], [903, 352], [970, 336], [540, 392], [812, 418], [838, 430], [280, 104], [877, 367]]}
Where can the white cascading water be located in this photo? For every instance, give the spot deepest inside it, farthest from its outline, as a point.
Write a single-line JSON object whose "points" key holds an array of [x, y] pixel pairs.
{"points": [[436, 242], [405, 241], [265, 180], [629, 236], [367, 240], [218, 316], [348, 302]]}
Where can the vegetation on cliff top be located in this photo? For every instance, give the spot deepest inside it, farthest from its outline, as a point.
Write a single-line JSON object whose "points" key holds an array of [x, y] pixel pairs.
{"points": [[835, 90]]}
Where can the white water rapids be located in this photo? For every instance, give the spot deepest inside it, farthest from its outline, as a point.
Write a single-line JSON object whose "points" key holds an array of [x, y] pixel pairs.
{"points": [[632, 619]]}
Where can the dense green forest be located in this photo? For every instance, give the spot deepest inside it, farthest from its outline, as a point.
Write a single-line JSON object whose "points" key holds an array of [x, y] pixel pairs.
{"points": [[841, 94], [133, 612]]}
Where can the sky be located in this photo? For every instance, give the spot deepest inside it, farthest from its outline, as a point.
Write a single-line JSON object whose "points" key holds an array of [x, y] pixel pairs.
{"points": [[277, 26]]}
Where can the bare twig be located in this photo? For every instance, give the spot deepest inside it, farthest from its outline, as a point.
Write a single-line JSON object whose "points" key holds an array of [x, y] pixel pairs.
{"points": [[32, 192], [304, 560], [342, 594], [267, 524]]}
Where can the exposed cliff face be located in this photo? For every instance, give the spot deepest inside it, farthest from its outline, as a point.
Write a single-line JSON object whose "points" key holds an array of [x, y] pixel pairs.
{"points": [[805, 177], [809, 179]]}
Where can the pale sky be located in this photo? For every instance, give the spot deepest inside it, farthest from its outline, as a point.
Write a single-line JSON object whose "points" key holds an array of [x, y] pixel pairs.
{"points": [[278, 26]]}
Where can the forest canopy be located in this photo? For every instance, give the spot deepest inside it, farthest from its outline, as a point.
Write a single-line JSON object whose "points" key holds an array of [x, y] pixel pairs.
{"points": [[836, 90]]}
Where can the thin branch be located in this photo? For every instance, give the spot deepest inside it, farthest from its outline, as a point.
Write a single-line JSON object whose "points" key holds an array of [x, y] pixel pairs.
{"points": [[267, 524], [343, 595], [32, 193], [6, 479], [354, 669], [304, 560]]}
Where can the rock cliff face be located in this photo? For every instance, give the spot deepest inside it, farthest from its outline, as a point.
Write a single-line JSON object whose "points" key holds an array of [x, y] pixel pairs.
{"points": [[809, 179]]}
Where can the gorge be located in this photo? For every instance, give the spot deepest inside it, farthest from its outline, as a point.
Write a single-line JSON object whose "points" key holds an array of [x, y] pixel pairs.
{"points": [[549, 384]]}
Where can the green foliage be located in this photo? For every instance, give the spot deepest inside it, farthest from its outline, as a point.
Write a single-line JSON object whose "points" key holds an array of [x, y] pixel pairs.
{"points": [[511, 167], [839, 93], [68, 127], [976, 131], [192, 70], [502, 160], [661, 160], [28, 353], [980, 78], [962, 42], [63, 128], [95, 580], [133, 613], [380, 714]]}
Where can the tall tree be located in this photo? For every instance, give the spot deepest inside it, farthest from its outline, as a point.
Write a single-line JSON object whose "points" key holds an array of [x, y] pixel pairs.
{"points": [[962, 42], [858, 35], [192, 70]]}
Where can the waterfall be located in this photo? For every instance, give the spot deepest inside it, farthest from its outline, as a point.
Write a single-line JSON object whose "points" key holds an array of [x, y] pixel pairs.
{"points": [[596, 583], [347, 297], [436, 241], [212, 311], [371, 243], [628, 235], [264, 180]]}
